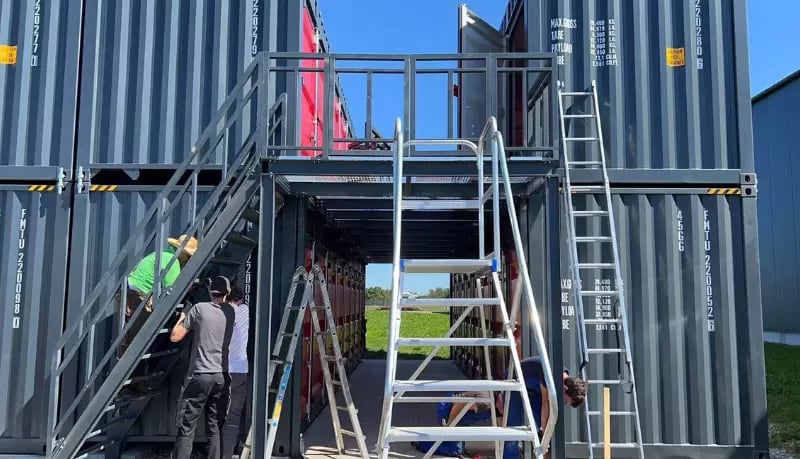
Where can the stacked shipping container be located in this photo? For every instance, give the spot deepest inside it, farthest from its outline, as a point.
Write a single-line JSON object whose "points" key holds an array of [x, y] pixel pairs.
{"points": [[674, 104]]}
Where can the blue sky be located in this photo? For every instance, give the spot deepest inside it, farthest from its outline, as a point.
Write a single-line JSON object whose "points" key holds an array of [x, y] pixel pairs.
{"points": [[430, 26]]}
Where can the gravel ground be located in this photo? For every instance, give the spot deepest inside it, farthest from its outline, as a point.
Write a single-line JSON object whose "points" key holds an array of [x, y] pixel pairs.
{"points": [[781, 454]]}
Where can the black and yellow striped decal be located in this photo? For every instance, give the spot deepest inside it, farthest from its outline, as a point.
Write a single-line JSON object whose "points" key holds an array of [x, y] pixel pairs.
{"points": [[41, 187], [102, 187], [725, 191]]}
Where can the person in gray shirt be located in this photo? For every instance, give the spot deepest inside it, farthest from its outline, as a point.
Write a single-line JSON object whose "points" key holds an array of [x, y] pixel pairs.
{"points": [[205, 383]]}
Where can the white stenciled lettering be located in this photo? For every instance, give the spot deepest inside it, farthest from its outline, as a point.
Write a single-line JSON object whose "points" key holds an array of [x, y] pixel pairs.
{"points": [[698, 32], [560, 42], [567, 310], [19, 277], [603, 42], [254, 30], [709, 285], [603, 307], [247, 278], [681, 240], [37, 21]]}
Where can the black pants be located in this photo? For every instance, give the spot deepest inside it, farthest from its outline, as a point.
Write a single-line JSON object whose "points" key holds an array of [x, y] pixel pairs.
{"points": [[202, 392], [235, 416]]}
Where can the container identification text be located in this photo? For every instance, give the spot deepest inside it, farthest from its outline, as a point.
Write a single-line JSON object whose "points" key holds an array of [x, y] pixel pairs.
{"points": [[37, 20], [19, 275], [708, 279], [254, 30]]}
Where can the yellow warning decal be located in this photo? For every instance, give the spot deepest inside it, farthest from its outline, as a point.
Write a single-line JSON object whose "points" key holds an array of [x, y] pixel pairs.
{"points": [[8, 54], [102, 187], [41, 188], [725, 191], [676, 57]]}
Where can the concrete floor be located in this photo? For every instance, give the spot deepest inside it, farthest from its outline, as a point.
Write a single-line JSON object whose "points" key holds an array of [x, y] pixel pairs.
{"points": [[366, 384]]}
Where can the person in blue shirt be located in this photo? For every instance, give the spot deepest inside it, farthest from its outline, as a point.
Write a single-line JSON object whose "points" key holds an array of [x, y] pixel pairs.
{"points": [[533, 374]]}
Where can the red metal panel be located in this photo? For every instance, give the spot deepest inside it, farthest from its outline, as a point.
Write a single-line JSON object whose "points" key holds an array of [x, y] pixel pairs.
{"points": [[311, 92]]}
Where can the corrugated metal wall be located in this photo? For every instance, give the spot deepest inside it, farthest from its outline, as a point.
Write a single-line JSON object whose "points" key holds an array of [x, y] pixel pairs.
{"points": [[776, 121], [671, 76], [33, 247], [689, 312], [39, 85]]}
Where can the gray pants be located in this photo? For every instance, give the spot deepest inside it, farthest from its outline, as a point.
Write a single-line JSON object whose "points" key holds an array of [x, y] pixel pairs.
{"points": [[235, 416]]}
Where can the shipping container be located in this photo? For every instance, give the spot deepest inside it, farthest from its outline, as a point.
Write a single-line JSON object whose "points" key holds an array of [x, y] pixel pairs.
{"points": [[776, 120], [694, 317], [672, 78], [34, 246], [39, 56]]}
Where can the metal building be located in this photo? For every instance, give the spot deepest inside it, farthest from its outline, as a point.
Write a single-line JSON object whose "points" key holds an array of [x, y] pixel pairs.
{"points": [[776, 117], [117, 130]]}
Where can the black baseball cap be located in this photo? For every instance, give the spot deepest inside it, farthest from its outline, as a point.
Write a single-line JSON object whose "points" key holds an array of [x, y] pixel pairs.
{"points": [[220, 285]]}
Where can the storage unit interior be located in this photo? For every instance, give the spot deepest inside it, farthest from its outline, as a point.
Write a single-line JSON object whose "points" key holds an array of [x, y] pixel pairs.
{"points": [[687, 229]]}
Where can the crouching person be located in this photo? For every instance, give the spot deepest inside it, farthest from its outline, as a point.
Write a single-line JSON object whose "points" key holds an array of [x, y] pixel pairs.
{"points": [[204, 388], [448, 412]]}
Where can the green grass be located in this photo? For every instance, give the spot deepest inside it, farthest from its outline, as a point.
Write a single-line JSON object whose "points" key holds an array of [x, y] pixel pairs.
{"points": [[414, 324], [783, 398]]}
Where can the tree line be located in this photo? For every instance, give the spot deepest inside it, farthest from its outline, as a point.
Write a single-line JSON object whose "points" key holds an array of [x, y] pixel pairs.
{"points": [[380, 295]]}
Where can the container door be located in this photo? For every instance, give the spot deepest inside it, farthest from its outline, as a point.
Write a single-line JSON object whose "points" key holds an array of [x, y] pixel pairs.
{"points": [[475, 36]]}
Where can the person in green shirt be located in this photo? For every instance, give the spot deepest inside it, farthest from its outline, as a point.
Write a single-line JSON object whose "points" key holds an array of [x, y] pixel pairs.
{"points": [[140, 289]]}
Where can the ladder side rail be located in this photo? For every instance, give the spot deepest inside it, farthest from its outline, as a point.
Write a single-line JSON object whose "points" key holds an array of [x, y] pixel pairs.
{"points": [[618, 274], [528, 291], [488, 363], [396, 286]]}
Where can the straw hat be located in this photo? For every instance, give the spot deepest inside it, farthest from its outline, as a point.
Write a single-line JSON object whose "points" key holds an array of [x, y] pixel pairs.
{"points": [[189, 248]]}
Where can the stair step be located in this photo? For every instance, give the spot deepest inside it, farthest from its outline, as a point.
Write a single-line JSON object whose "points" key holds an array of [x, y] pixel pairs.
{"points": [[448, 302], [441, 204], [593, 239], [599, 292], [143, 378], [456, 385], [455, 399], [241, 240], [452, 342], [251, 215], [606, 351], [445, 266], [225, 261], [589, 213], [409, 434], [595, 265], [612, 413], [152, 355]]}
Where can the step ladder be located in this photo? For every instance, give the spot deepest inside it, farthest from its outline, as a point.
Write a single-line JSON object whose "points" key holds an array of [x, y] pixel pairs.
{"points": [[394, 389], [283, 358], [600, 235]]}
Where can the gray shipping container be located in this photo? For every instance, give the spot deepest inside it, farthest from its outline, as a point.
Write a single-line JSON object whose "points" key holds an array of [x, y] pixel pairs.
{"points": [[152, 74], [33, 246], [691, 277], [776, 121], [672, 77]]}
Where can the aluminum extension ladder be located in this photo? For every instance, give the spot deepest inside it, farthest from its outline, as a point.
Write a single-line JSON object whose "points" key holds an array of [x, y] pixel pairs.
{"points": [[284, 356], [600, 231], [394, 389]]}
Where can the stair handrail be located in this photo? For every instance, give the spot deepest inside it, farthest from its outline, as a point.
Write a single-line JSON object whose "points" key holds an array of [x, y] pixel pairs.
{"points": [[501, 160], [158, 214]]}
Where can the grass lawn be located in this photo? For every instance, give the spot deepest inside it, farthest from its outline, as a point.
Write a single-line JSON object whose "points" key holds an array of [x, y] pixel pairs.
{"points": [[783, 372], [414, 324]]}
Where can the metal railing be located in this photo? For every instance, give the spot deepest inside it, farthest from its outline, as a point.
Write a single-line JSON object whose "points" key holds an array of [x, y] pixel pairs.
{"points": [[518, 85], [226, 128]]}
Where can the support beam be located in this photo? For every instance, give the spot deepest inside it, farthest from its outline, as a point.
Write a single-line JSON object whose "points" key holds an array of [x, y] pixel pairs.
{"points": [[263, 336], [451, 190]]}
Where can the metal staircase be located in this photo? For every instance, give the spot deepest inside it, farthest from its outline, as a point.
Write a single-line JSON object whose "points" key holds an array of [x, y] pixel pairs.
{"points": [[600, 235], [485, 263], [100, 415]]}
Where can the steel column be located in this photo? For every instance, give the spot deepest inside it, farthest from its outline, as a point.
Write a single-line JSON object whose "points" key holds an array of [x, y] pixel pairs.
{"points": [[263, 335]]}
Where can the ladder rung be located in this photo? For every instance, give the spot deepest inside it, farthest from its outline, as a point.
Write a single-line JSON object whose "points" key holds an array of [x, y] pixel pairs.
{"points": [[440, 204], [595, 265], [456, 385], [442, 399], [581, 139], [589, 213], [344, 408], [582, 115], [587, 188], [593, 239], [480, 433], [276, 362], [453, 342], [615, 445], [606, 351], [585, 163], [576, 93], [332, 358], [599, 292], [606, 382], [461, 266], [348, 433], [601, 321], [613, 413], [449, 302]]}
